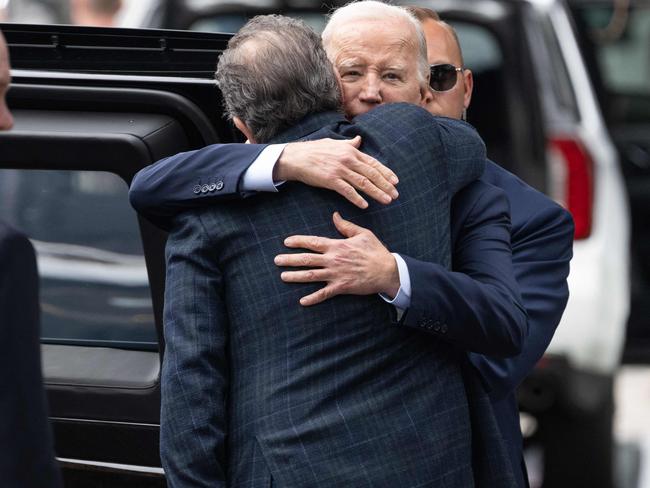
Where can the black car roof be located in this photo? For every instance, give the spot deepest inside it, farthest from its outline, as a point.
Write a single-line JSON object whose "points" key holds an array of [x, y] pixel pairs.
{"points": [[132, 51]]}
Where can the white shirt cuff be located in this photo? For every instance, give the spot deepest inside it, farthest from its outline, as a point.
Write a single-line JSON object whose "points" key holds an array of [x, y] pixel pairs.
{"points": [[259, 175], [402, 300]]}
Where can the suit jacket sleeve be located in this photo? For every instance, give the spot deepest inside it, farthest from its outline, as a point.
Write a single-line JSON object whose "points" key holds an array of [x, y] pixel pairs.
{"points": [[172, 185], [478, 309], [194, 379], [541, 265], [465, 153]]}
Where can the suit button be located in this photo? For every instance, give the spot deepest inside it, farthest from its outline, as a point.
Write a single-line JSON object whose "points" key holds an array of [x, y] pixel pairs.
{"points": [[197, 189], [443, 328], [212, 187], [205, 189], [219, 185]]}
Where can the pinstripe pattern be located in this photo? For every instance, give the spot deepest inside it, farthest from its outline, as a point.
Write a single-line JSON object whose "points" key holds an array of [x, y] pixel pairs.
{"points": [[327, 396]]}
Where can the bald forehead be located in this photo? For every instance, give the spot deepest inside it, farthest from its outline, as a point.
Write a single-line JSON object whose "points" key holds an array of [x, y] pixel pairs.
{"points": [[442, 44], [453, 38]]}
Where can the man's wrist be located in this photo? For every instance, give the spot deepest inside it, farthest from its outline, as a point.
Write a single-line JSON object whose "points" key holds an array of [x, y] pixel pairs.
{"points": [[392, 281], [259, 175], [283, 169], [402, 299]]}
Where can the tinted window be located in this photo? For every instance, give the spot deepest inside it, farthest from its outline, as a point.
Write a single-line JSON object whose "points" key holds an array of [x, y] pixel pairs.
{"points": [[94, 286]]}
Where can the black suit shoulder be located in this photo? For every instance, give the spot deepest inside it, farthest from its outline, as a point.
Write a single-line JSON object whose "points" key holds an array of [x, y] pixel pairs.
{"points": [[14, 247], [18, 280], [542, 230]]}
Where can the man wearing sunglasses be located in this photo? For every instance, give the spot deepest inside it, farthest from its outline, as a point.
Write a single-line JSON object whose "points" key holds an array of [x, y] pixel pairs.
{"points": [[541, 231], [541, 239], [451, 83]]}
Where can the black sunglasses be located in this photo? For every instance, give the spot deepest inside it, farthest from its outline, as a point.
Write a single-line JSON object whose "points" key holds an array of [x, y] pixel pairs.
{"points": [[443, 77]]}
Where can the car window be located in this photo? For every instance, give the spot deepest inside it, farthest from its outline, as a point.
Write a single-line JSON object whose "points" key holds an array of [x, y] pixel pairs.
{"points": [[622, 44], [94, 285]]}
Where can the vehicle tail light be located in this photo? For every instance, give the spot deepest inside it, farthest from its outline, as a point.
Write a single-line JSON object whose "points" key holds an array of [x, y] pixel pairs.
{"points": [[572, 181]]}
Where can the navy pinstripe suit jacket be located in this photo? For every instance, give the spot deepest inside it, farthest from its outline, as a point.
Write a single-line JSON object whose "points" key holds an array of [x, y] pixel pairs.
{"points": [[259, 391]]}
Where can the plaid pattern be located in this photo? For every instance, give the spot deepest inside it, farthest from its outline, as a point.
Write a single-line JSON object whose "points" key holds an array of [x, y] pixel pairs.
{"points": [[259, 391]]}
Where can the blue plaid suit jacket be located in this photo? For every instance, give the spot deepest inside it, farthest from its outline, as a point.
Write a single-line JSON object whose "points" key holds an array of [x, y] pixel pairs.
{"points": [[259, 391]]}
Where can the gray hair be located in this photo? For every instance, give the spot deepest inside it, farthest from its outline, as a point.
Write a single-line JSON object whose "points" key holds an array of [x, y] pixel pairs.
{"points": [[365, 10], [275, 72]]}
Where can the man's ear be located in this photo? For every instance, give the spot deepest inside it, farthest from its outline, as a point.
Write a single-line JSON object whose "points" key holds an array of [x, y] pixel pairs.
{"points": [[425, 93], [427, 97], [244, 129], [468, 81]]}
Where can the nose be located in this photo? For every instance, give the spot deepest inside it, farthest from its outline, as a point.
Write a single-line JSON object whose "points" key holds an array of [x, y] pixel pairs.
{"points": [[6, 120], [371, 92]]}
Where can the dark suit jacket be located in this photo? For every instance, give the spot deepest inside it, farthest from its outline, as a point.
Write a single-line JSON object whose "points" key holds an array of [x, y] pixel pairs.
{"points": [[541, 242], [331, 395], [26, 455], [542, 247], [542, 237]]}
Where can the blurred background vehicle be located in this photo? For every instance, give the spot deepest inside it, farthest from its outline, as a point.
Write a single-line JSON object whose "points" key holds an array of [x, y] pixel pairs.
{"points": [[615, 40], [83, 126], [562, 99]]}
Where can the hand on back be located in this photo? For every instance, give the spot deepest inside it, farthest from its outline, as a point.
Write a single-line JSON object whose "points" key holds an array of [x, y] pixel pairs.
{"points": [[358, 264], [337, 165]]}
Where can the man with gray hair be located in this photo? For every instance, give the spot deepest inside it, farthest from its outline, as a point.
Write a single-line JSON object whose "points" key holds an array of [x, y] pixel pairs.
{"points": [[258, 391]]}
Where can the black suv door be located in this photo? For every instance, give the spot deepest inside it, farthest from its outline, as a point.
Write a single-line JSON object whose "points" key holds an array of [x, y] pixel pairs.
{"points": [[92, 107]]}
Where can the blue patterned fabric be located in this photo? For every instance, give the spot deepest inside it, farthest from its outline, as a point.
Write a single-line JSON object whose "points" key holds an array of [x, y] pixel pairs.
{"points": [[258, 391]]}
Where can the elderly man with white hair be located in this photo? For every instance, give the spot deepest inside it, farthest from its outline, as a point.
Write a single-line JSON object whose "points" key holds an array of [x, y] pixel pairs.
{"points": [[541, 233], [259, 391], [541, 230]]}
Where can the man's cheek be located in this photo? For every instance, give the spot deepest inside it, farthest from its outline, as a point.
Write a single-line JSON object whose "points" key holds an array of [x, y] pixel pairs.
{"points": [[433, 107]]}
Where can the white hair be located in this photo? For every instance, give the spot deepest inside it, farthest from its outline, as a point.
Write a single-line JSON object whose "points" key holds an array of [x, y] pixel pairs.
{"points": [[373, 10]]}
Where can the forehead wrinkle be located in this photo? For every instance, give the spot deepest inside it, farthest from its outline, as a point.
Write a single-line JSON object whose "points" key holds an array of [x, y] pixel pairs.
{"points": [[390, 62]]}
